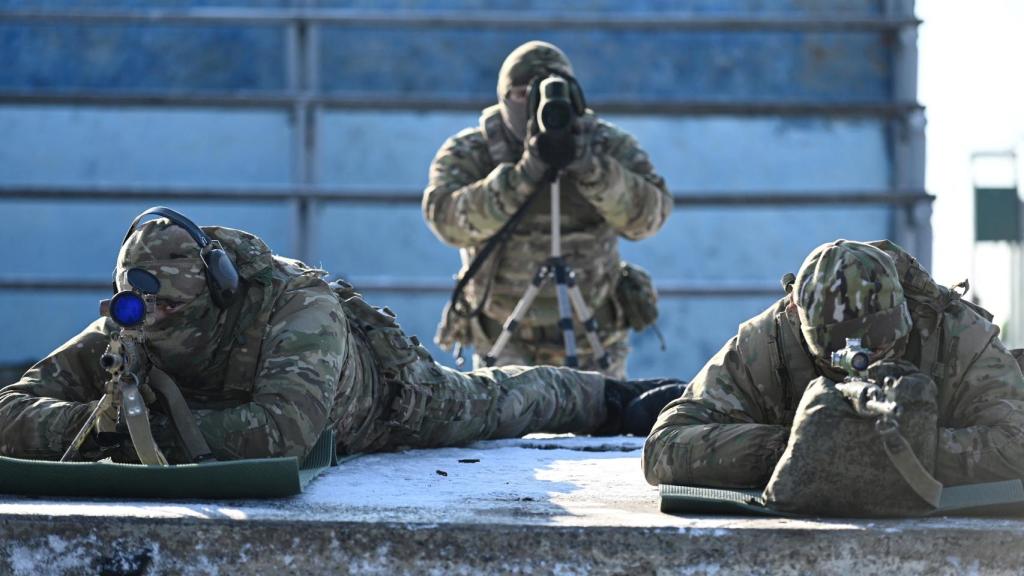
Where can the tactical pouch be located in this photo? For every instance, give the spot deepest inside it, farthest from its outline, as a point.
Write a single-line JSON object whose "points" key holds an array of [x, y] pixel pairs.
{"points": [[636, 296], [406, 366], [454, 328], [835, 463]]}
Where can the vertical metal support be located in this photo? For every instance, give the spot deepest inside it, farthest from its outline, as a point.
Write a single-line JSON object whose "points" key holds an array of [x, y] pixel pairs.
{"points": [[910, 226], [302, 63]]}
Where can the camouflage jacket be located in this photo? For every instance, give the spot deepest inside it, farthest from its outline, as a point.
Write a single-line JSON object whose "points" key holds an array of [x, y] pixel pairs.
{"points": [[475, 188], [291, 367], [731, 425]]}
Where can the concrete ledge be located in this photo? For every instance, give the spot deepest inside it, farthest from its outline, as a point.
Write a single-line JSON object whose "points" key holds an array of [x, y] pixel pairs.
{"points": [[535, 506]]}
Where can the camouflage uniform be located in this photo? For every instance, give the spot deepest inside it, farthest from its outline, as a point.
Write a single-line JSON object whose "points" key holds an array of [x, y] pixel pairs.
{"points": [[482, 175], [291, 356], [731, 425]]}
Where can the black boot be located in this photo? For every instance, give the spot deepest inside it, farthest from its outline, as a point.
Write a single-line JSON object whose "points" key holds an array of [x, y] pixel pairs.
{"points": [[643, 411], [630, 402]]}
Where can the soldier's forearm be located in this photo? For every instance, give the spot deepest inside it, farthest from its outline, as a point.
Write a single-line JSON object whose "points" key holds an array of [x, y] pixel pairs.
{"points": [[257, 430], [245, 431], [39, 428], [979, 454], [472, 213], [634, 206], [717, 455]]}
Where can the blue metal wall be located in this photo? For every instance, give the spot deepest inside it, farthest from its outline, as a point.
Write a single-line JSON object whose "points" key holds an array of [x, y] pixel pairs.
{"points": [[388, 150]]}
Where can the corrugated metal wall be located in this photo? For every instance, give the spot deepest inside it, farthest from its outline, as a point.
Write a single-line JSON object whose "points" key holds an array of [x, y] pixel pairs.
{"points": [[778, 125]]}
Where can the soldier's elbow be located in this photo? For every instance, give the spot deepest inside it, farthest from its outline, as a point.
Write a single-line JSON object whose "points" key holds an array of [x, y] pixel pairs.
{"points": [[654, 463]]}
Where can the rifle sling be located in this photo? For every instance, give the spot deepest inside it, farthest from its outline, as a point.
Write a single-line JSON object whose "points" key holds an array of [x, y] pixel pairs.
{"points": [[137, 417], [902, 456], [191, 437]]}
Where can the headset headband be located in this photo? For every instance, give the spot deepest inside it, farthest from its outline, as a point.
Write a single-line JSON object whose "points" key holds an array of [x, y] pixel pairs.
{"points": [[221, 274], [177, 218]]}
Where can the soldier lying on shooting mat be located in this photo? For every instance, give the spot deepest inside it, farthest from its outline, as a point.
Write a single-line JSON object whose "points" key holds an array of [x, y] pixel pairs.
{"points": [[766, 408], [483, 175], [290, 355]]}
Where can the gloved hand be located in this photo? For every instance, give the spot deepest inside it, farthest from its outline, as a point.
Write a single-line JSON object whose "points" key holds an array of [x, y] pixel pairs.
{"points": [[912, 389], [881, 369], [532, 165], [556, 149], [584, 162]]}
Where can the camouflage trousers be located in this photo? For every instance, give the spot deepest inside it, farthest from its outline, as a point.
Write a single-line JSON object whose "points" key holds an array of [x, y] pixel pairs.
{"points": [[436, 406], [507, 402], [547, 349]]}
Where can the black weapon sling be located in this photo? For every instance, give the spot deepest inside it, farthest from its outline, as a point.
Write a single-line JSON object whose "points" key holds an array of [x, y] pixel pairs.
{"points": [[498, 240]]}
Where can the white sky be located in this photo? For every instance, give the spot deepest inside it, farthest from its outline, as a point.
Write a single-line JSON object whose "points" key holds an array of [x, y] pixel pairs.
{"points": [[971, 81]]}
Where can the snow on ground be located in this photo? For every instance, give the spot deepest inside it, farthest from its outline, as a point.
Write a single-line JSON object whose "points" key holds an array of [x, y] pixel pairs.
{"points": [[541, 480]]}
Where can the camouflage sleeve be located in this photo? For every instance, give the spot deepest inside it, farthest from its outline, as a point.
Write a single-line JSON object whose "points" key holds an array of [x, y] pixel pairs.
{"points": [[623, 186], [465, 201], [300, 363], [721, 431], [41, 413], [983, 435]]}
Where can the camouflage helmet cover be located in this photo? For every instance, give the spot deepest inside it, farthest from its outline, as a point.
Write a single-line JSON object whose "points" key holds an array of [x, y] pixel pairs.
{"points": [[184, 341], [848, 289], [521, 66], [168, 252]]}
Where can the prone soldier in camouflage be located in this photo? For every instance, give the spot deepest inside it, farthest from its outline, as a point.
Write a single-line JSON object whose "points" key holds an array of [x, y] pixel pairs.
{"points": [[482, 175], [732, 424], [291, 356]]}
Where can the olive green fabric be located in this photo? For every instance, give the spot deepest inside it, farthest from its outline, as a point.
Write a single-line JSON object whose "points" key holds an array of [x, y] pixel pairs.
{"points": [[255, 478], [1005, 498]]}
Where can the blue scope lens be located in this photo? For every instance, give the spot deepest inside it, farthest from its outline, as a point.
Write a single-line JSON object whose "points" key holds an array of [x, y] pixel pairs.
{"points": [[127, 309]]}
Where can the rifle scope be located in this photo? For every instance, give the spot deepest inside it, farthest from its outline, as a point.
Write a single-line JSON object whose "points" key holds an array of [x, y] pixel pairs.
{"points": [[127, 308], [854, 359]]}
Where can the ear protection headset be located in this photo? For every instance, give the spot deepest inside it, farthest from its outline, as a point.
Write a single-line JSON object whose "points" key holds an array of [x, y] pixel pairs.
{"points": [[579, 103], [221, 274]]}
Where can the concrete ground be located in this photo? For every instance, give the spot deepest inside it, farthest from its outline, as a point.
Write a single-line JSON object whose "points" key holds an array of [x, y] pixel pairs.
{"points": [[543, 505]]}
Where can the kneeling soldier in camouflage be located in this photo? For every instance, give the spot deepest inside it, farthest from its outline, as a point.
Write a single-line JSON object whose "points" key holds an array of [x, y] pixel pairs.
{"points": [[268, 364], [772, 409]]}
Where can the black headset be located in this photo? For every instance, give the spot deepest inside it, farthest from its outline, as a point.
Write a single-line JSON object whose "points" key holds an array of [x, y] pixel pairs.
{"points": [[221, 274]]}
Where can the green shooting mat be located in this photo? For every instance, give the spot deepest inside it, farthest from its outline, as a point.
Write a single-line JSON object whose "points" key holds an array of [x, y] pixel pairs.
{"points": [[1004, 498], [255, 478]]}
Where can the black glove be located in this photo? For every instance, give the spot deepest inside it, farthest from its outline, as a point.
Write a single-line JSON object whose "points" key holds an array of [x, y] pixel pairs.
{"points": [[584, 162], [532, 165], [555, 150]]}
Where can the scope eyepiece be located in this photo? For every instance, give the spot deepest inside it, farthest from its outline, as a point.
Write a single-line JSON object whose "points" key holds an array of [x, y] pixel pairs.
{"points": [[853, 359], [555, 113], [127, 308]]}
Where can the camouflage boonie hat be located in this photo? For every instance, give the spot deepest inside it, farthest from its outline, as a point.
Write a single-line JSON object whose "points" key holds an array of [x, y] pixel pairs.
{"points": [[850, 290], [529, 61]]}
